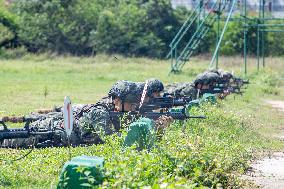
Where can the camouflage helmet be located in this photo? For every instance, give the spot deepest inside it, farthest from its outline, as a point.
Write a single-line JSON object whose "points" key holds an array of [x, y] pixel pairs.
{"points": [[122, 89], [198, 79], [206, 78], [140, 87], [154, 85], [132, 98], [227, 75], [216, 71], [212, 77]]}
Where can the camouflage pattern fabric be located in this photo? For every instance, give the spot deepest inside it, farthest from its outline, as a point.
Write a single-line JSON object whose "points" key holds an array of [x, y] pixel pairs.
{"points": [[140, 87], [182, 89], [52, 121], [189, 90], [92, 122], [130, 91], [172, 88], [206, 78], [89, 128], [154, 85], [106, 101], [122, 88], [225, 76], [94, 125]]}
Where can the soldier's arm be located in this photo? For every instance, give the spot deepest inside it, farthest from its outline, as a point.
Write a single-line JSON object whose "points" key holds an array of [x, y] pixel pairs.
{"points": [[95, 125]]}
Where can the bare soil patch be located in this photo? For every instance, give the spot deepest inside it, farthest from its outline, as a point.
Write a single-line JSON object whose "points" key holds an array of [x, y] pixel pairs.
{"points": [[268, 173]]}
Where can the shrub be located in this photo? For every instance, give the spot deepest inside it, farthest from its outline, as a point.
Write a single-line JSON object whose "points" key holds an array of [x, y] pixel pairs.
{"points": [[80, 27], [132, 28], [60, 26], [13, 53], [8, 28]]}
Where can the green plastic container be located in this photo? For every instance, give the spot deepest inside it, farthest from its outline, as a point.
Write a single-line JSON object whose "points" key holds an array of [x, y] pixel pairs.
{"points": [[208, 97], [193, 103], [141, 132], [82, 172]]}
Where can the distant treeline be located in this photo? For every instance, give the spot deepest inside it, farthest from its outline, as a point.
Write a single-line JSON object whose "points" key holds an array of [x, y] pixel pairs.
{"points": [[127, 27]]}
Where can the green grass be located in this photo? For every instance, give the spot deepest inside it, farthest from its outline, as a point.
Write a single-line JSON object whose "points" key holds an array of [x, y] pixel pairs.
{"points": [[203, 153], [85, 79]]}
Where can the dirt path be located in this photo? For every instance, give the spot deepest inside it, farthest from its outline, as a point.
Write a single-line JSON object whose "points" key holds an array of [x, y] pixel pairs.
{"points": [[268, 173], [276, 104]]}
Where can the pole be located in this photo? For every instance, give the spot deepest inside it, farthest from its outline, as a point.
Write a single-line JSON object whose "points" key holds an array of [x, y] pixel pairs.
{"points": [[203, 4], [175, 58], [258, 35], [262, 34], [245, 37], [218, 33], [258, 43], [199, 11], [222, 34]]}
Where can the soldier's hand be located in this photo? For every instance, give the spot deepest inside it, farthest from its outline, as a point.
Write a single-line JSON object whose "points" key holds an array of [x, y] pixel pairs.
{"points": [[163, 122]]}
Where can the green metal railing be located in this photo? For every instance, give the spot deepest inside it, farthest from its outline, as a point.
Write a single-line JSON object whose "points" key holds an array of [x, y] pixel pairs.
{"points": [[180, 55], [183, 30], [188, 24], [200, 21], [215, 55]]}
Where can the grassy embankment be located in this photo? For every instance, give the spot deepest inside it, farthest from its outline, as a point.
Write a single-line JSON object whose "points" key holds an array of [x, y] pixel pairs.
{"points": [[204, 153]]}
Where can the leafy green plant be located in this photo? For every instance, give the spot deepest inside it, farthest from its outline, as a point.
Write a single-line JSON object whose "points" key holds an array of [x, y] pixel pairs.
{"points": [[198, 153]]}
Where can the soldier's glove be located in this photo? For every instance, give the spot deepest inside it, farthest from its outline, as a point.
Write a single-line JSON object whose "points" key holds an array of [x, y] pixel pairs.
{"points": [[163, 122]]}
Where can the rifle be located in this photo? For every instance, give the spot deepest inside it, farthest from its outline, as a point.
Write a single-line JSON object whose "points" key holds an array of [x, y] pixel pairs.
{"points": [[240, 82], [49, 110], [165, 102], [177, 96], [212, 90], [175, 113], [24, 132], [231, 89]]}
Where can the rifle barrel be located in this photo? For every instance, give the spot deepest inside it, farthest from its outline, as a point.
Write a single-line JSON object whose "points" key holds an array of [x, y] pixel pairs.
{"points": [[197, 117], [156, 115], [21, 133], [14, 133], [19, 119]]}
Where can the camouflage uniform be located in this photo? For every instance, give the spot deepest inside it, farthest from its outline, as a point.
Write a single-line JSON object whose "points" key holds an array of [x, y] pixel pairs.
{"points": [[90, 125], [190, 89], [48, 121], [225, 76], [207, 78], [91, 122], [182, 89], [97, 122]]}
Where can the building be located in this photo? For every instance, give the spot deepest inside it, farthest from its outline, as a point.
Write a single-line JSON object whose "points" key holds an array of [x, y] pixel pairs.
{"points": [[276, 7]]}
